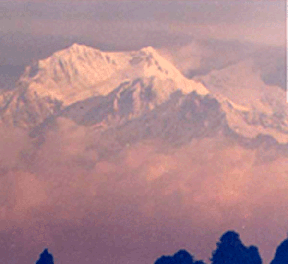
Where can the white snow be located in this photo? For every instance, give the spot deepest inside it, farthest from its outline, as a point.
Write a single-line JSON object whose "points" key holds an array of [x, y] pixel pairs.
{"points": [[79, 72]]}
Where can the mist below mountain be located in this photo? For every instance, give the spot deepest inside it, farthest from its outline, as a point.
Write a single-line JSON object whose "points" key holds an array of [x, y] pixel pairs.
{"points": [[119, 156]]}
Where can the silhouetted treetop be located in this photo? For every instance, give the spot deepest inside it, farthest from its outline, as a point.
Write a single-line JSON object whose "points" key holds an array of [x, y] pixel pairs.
{"points": [[281, 255], [254, 254], [181, 257], [45, 258], [199, 262], [230, 238], [230, 250]]}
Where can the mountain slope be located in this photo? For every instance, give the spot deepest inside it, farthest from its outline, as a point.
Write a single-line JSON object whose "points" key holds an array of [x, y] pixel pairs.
{"points": [[80, 72], [141, 93], [24, 108], [260, 109]]}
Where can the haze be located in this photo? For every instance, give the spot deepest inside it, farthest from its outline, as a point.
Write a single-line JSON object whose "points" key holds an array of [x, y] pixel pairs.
{"points": [[154, 196]]}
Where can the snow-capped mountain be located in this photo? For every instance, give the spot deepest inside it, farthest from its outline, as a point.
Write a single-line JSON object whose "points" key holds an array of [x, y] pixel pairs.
{"points": [[129, 82], [24, 108], [251, 106], [142, 94], [80, 72]]}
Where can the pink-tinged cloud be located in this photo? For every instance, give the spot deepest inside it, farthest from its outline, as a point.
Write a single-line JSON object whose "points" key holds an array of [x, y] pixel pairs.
{"points": [[127, 204]]}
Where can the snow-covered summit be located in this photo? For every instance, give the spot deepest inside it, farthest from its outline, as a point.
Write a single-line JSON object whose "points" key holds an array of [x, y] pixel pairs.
{"points": [[79, 72], [107, 89]]}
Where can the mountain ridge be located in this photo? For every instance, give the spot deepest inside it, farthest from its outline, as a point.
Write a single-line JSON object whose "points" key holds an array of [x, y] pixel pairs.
{"points": [[102, 89], [79, 71]]}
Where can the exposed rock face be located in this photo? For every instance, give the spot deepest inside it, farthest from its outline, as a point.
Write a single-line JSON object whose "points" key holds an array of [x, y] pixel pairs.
{"points": [[141, 94], [80, 72], [24, 108]]}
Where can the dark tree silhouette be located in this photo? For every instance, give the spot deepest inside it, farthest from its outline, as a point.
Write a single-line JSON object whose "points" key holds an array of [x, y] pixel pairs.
{"points": [[254, 255], [199, 262], [281, 255], [230, 250], [181, 257], [45, 258], [165, 260]]}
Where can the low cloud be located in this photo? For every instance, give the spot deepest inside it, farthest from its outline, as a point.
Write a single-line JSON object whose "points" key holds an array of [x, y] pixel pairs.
{"points": [[141, 195]]}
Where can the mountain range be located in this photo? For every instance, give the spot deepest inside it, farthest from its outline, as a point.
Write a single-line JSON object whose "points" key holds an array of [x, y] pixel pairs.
{"points": [[141, 94], [124, 139]]}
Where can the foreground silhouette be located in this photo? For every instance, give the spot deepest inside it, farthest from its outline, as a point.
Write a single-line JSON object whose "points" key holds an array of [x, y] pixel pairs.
{"points": [[230, 250], [181, 257], [45, 258], [281, 255]]}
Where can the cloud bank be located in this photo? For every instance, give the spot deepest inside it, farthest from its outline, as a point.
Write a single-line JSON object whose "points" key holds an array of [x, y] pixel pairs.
{"points": [[147, 200]]}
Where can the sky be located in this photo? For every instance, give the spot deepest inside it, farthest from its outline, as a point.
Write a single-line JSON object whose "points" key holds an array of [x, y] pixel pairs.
{"points": [[32, 30], [130, 24], [109, 207]]}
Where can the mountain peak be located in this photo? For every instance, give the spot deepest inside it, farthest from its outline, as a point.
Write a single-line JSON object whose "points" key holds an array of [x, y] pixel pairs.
{"points": [[76, 49], [149, 49], [76, 45], [79, 72]]}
